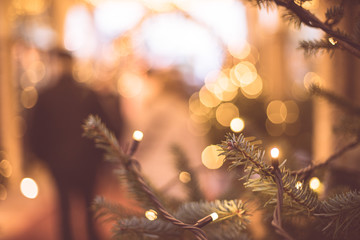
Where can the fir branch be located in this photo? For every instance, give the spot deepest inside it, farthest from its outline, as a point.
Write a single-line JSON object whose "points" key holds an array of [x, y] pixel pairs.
{"points": [[334, 15], [309, 19], [341, 213], [182, 164], [337, 100], [96, 130], [103, 208], [244, 153], [304, 172], [314, 46], [232, 221], [140, 227]]}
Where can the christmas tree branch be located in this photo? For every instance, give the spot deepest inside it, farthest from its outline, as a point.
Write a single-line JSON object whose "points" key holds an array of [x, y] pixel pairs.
{"points": [[298, 15], [182, 164], [339, 215], [304, 172]]}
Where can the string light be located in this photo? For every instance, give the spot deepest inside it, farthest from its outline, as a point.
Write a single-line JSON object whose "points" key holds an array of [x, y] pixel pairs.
{"points": [[206, 220], [314, 183], [237, 125], [29, 188], [332, 41], [151, 214], [137, 136], [275, 152], [185, 177], [298, 185]]}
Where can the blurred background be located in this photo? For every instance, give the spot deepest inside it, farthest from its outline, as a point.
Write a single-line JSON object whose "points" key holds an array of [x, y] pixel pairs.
{"points": [[183, 72]]}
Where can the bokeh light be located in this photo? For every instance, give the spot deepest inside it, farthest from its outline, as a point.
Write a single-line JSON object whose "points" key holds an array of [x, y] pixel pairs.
{"points": [[237, 125], [225, 113], [130, 85], [312, 78], [29, 188], [208, 98], [273, 129], [29, 97], [210, 157], [151, 214], [292, 111], [254, 89], [314, 183], [5, 168], [115, 17], [184, 177], [276, 111]]}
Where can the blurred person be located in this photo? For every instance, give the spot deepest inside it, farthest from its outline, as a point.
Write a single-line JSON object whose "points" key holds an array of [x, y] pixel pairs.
{"points": [[55, 137]]}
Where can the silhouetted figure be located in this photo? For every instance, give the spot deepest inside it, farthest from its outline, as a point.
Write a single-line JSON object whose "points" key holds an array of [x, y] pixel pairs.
{"points": [[55, 136]]}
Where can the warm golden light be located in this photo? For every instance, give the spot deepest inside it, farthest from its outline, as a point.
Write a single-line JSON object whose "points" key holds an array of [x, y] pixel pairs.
{"points": [[184, 177], [292, 111], [298, 185], [240, 51], [254, 89], [225, 113], [208, 98], [138, 135], [311, 78], [5, 168], [314, 183], [130, 85], [210, 157], [273, 129], [151, 214], [237, 125], [214, 216], [332, 41], [29, 97], [29, 188], [276, 111], [275, 152]]}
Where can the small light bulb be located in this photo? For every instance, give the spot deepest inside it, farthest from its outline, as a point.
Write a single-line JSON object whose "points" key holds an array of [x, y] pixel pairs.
{"points": [[185, 177], [314, 183], [332, 41], [298, 185], [275, 152], [214, 216], [151, 214], [138, 135], [29, 188]]}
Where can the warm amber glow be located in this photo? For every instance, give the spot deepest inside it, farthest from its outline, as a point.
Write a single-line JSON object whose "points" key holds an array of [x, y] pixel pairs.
{"points": [[225, 113], [276, 111], [298, 185], [196, 107], [275, 152], [311, 78], [3, 192], [240, 51], [185, 177], [314, 183], [33, 7], [138, 135], [29, 97], [274, 129], [254, 89], [210, 157], [292, 111], [237, 124], [5, 168], [151, 214], [29, 188], [130, 85], [208, 98], [332, 41]]}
